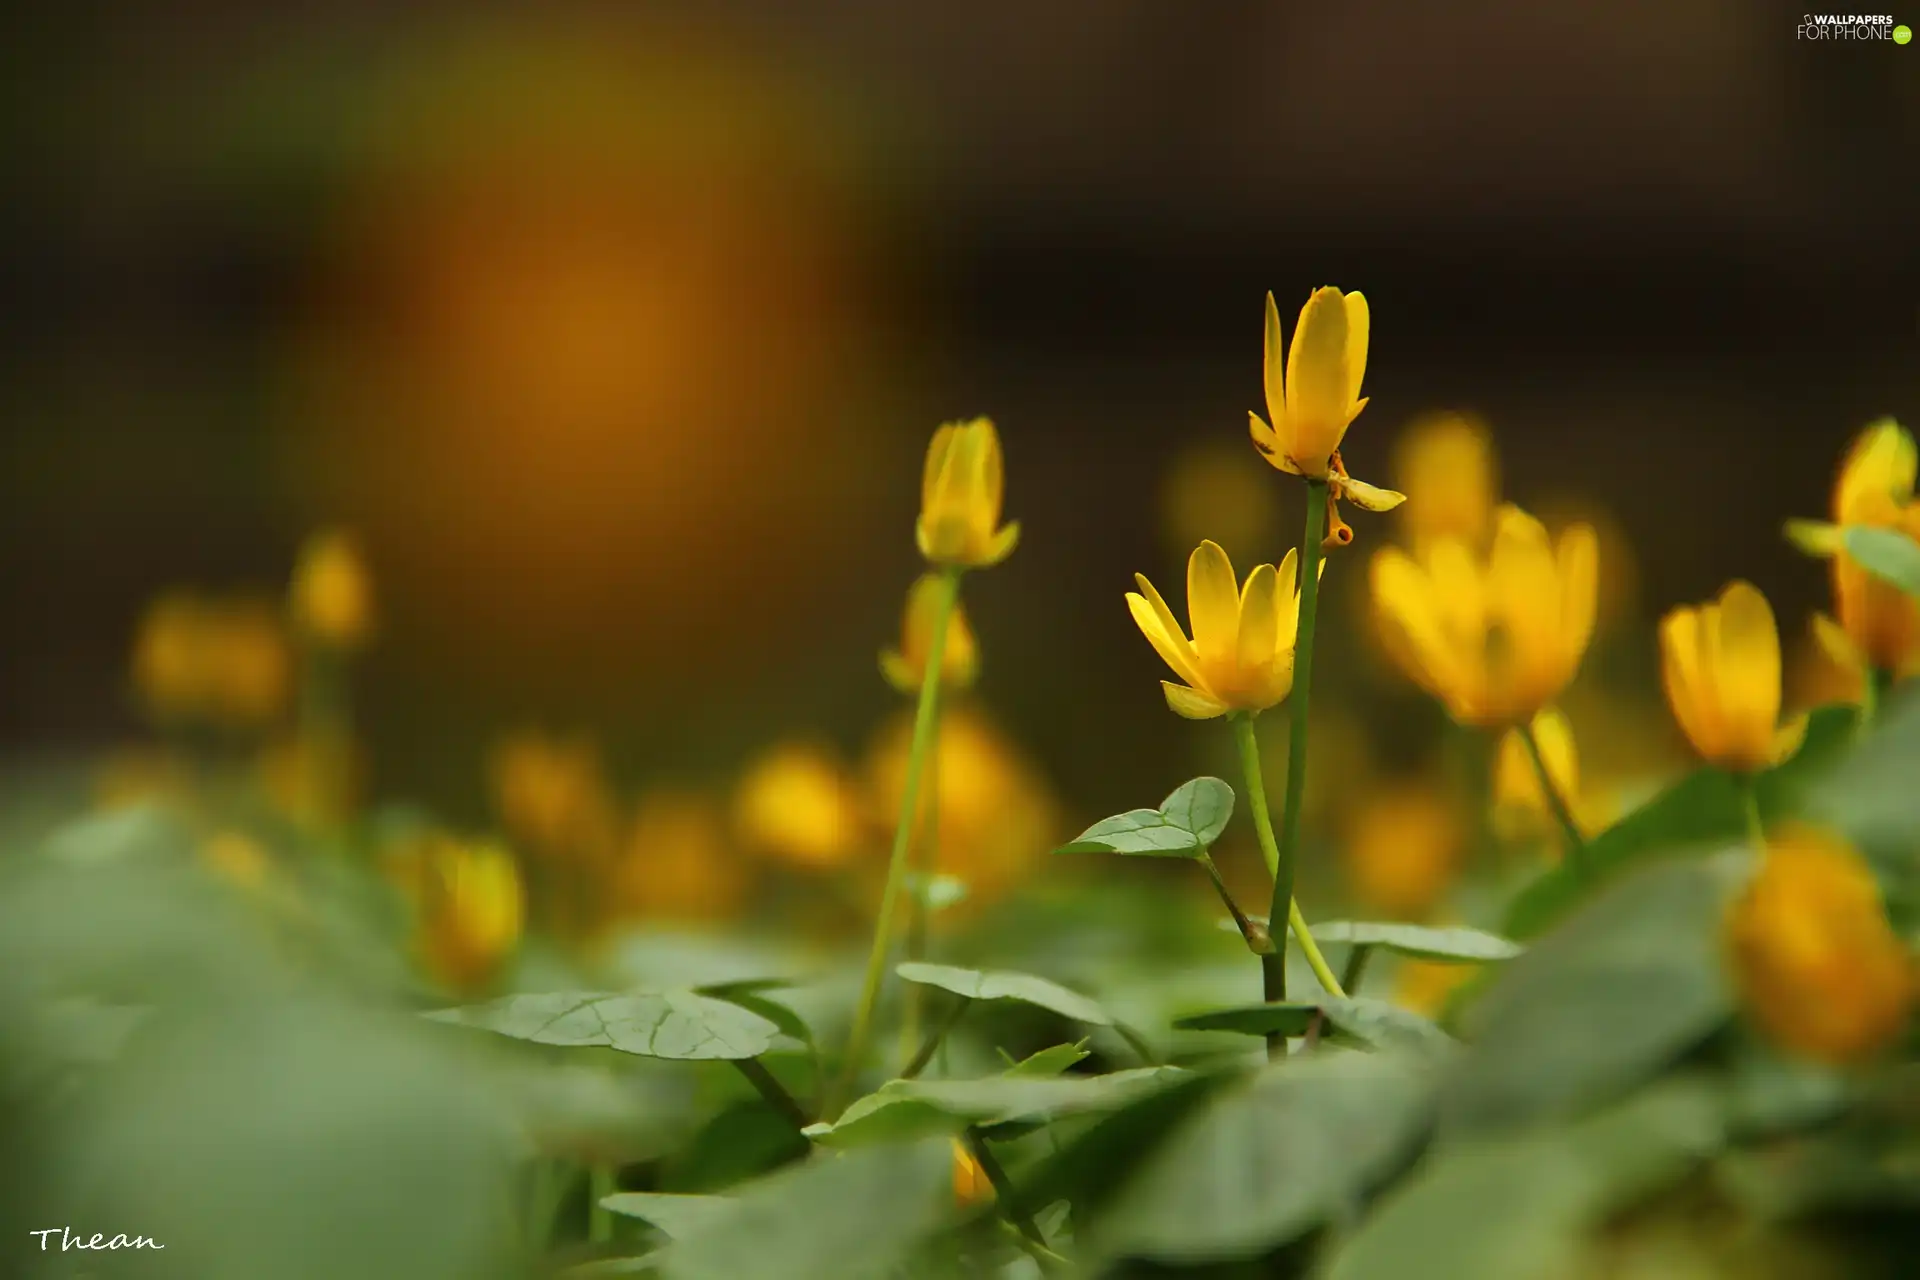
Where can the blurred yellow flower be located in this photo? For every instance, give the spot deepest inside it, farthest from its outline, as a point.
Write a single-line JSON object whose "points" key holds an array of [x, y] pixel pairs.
{"points": [[1720, 663], [223, 661], [1495, 638], [796, 803], [960, 495], [1445, 463], [1616, 594], [331, 598], [1520, 808], [1241, 655], [971, 1185], [1820, 969], [471, 909], [1875, 489], [1425, 986], [237, 857], [678, 865], [1404, 844], [997, 819], [314, 777], [905, 667], [1827, 668], [1214, 490], [552, 795]]}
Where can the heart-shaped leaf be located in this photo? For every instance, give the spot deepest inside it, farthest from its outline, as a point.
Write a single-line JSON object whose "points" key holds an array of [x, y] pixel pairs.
{"points": [[1002, 984], [664, 1024], [1887, 554], [750, 996], [1184, 826]]}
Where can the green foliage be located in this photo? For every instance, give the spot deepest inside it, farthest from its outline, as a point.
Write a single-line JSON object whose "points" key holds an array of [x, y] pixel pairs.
{"points": [[666, 1024], [1457, 945], [1184, 826], [1888, 554], [1003, 985], [904, 1110]]}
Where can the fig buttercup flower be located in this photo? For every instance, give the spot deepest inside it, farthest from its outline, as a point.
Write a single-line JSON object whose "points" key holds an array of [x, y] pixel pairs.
{"points": [[906, 667], [1241, 655], [971, 1186], [797, 804], [472, 908], [1446, 463], [1720, 663], [331, 597], [1403, 846], [1520, 807], [960, 494], [223, 661], [553, 797], [1313, 395], [1818, 966], [1875, 490], [1497, 637]]}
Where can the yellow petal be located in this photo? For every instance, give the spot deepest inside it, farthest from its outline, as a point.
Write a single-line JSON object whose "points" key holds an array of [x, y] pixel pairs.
{"points": [[1317, 405], [1578, 565], [992, 475], [1359, 326], [1267, 442], [1259, 636], [1213, 605], [1787, 740], [1161, 632], [1001, 546], [1878, 474], [1816, 537], [1681, 675], [1367, 496], [937, 451], [1271, 366], [1404, 600], [1191, 704], [1839, 647], [1287, 593], [1748, 674], [898, 672]]}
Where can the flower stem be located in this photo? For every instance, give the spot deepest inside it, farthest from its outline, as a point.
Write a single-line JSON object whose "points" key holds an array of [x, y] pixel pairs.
{"points": [[1750, 803], [601, 1183], [925, 717], [923, 863], [931, 1044], [1576, 843], [1259, 938], [772, 1090]]}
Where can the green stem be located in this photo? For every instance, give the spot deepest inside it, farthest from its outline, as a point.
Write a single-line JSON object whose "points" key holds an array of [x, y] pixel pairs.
{"points": [[1356, 966], [924, 864], [1004, 1197], [601, 1183], [772, 1090], [1576, 843], [1297, 923], [1259, 940], [925, 717], [931, 1044], [1137, 1043], [1750, 805]]}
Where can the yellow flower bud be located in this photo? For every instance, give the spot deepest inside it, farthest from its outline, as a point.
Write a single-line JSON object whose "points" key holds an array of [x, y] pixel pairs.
{"points": [[1819, 967], [971, 1186], [1404, 844], [1314, 392], [1494, 637], [218, 661], [797, 804], [331, 598], [1720, 663], [905, 668], [1241, 655], [960, 495], [677, 864], [1875, 488], [553, 797], [471, 910]]}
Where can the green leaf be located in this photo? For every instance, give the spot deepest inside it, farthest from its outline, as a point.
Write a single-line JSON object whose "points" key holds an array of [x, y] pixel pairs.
{"points": [[1622, 988], [1873, 799], [748, 996], [675, 1216], [1289, 1018], [681, 1025], [1263, 1161], [1455, 945], [1002, 984], [1887, 554], [1550, 1188], [1050, 1062], [903, 1110], [840, 1216], [1185, 824], [937, 892], [1378, 1024]]}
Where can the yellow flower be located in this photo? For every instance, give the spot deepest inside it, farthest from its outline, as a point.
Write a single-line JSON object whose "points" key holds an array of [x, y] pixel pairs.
{"points": [[237, 857], [678, 865], [797, 804], [553, 797], [1403, 846], [1720, 663], [1241, 655], [1495, 638], [1520, 808], [1875, 489], [960, 495], [1446, 463], [1425, 986], [905, 667], [1819, 967], [471, 909], [1828, 669], [1313, 394], [971, 1186], [220, 661], [331, 598]]}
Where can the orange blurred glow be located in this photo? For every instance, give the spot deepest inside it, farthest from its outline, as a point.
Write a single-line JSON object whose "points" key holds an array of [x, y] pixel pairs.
{"points": [[678, 865], [1404, 845]]}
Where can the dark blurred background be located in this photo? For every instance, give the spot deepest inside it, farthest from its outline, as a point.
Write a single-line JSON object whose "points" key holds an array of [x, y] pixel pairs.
{"points": [[617, 333]]}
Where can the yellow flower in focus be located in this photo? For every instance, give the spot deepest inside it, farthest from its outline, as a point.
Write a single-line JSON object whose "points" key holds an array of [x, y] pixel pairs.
{"points": [[1241, 655], [996, 819], [1494, 637], [1425, 986], [1445, 462], [971, 1186], [218, 661], [1720, 663], [797, 804], [237, 857], [552, 796], [678, 865], [1520, 807], [471, 909], [331, 598], [906, 666], [1404, 843], [1819, 967], [960, 494], [1875, 489]]}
